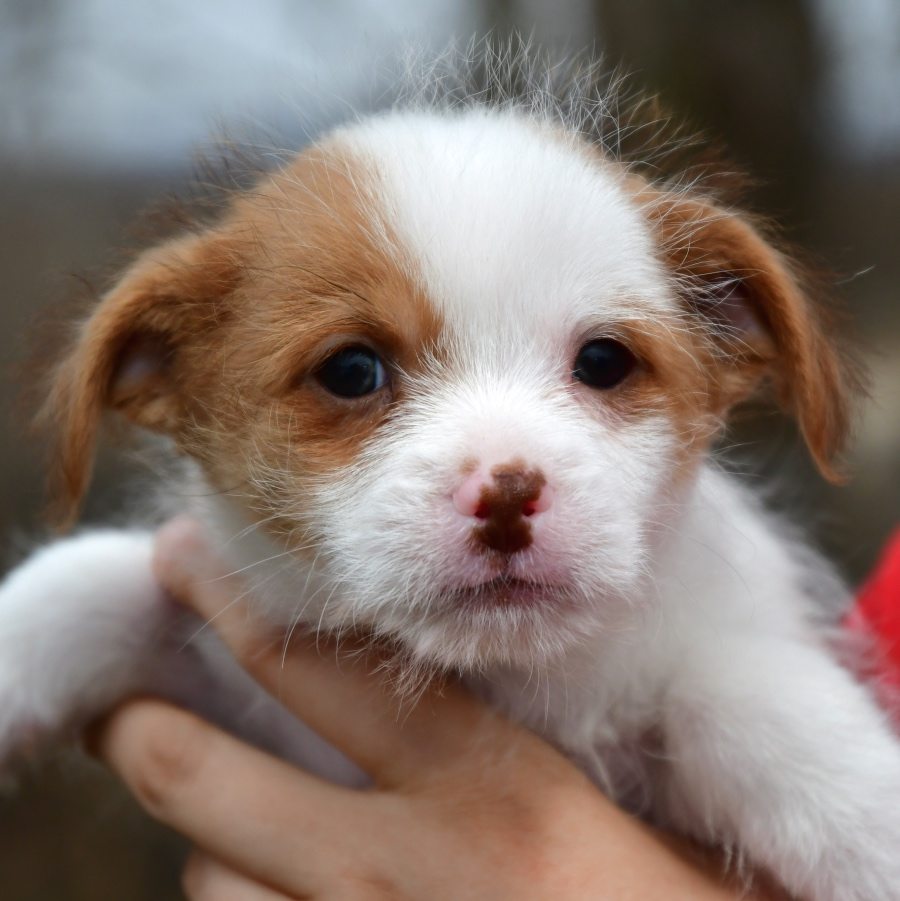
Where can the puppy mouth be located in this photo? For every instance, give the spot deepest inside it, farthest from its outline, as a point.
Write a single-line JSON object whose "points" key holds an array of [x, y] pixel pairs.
{"points": [[507, 592]]}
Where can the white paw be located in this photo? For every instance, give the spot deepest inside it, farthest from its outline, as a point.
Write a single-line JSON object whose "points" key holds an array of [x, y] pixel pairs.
{"points": [[75, 619]]}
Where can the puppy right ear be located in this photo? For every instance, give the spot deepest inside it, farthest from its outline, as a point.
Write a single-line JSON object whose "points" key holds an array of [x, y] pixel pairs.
{"points": [[126, 356]]}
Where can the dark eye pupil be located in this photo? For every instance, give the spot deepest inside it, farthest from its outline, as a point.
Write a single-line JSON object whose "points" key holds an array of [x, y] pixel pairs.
{"points": [[352, 372], [603, 363]]}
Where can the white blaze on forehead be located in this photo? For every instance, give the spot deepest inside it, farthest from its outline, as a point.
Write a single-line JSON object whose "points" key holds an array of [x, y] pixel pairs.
{"points": [[513, 230]]}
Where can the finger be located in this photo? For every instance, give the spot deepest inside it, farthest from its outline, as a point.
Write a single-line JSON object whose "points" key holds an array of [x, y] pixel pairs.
{"points": [[344, 699], [255, 813], [205, 879]]}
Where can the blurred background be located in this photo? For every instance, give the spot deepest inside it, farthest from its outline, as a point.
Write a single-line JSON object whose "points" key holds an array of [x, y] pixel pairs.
{"points": [[103, 106]]}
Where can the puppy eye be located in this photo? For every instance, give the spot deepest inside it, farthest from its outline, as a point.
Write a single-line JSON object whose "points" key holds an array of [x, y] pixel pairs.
{"points": [[603, 363], [352, 372]]}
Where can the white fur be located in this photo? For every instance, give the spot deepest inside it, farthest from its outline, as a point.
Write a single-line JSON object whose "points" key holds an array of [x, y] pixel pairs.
{"points": [[682, 662]]}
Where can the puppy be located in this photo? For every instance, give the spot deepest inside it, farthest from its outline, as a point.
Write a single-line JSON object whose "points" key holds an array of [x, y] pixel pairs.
{"points": [[451, 376]]}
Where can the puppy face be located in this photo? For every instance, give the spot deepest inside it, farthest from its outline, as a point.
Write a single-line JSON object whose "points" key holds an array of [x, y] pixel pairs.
{"points": [[462, 365]]}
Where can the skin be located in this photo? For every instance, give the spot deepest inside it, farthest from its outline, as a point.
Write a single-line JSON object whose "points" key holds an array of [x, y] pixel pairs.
{"points": [[465, 804]]}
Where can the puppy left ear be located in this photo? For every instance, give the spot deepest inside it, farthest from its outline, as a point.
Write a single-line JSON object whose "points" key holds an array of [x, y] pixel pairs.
{"points": [[759, 320], [129, 356]]}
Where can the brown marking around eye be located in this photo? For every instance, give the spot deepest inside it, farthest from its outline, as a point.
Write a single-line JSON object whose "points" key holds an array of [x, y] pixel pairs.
{"points": [[320, 271], [504, 505]]}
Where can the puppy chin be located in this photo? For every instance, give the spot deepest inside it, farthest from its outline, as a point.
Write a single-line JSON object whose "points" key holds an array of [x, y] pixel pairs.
{"points": [[517, 625]]}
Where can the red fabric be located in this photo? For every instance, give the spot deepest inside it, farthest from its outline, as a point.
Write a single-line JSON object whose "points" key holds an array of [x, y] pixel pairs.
{"points": [[877, 610]]}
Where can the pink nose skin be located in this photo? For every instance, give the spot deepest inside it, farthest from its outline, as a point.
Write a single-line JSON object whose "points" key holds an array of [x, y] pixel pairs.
{"points": [[502, 502], [468, 498]]}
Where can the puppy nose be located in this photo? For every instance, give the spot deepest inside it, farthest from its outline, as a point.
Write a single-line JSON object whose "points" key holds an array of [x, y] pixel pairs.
{"points": [[503, 502]]}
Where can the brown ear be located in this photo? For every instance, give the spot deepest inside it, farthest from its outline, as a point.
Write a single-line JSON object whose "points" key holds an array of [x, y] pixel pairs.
{"points": [[760, 321], [126, 356]]}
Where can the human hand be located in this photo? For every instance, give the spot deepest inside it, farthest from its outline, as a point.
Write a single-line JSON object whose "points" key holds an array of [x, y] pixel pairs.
{"points": [[465, 804]]}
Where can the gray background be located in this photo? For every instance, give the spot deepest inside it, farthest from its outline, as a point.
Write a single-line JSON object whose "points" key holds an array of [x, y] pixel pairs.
{"points": [[103, 105]]}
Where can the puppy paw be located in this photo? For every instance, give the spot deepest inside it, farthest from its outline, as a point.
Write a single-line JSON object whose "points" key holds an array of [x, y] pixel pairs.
{"points": [[73, 622]]}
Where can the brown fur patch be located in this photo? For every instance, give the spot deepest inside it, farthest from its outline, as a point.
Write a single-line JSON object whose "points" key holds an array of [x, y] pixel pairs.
{"points": [[318, 277], [214, 339]]}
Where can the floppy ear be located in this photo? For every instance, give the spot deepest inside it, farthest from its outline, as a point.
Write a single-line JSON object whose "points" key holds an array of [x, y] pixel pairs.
{"points": [[126, 356], [759, 320]]}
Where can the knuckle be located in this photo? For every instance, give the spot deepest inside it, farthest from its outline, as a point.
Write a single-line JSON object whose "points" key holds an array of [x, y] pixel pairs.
{"points": [[370, 886], [551, 812], [178, 540], [169, 757], [196, 879], [542, 816], [254, 649]]}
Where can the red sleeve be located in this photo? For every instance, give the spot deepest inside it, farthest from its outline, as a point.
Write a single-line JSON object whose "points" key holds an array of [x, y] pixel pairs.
{"points": [[877, 609]]}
